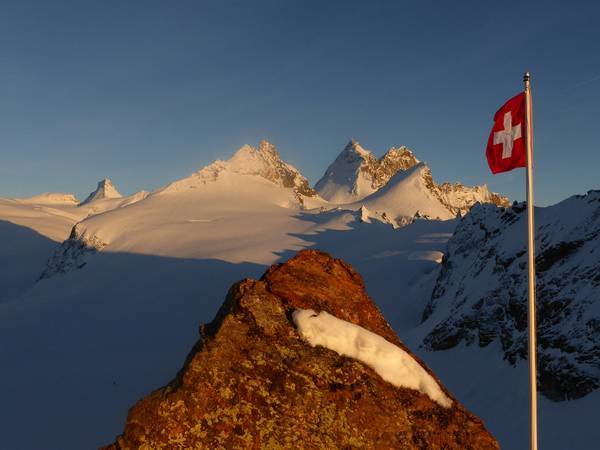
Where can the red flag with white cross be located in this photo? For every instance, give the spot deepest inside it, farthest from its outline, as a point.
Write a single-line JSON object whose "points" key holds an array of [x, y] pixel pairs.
{"points": [[506, 149]]}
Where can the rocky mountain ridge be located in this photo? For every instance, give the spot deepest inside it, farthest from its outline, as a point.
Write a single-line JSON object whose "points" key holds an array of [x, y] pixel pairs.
{"points": [[459, 199]]}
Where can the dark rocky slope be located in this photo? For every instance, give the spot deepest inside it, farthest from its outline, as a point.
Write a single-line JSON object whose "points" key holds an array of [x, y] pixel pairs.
{"points": [[481, 293]]}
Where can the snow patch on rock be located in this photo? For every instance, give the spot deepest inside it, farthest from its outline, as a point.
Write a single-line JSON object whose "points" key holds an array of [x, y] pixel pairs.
{"points": [[390, 362]]}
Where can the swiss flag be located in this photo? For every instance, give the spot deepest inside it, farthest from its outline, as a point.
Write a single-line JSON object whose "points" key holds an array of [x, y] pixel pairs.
{"points": [[506, 145]]}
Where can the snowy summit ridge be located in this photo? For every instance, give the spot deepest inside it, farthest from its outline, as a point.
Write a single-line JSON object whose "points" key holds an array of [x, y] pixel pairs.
{"points": [[264, 162]]}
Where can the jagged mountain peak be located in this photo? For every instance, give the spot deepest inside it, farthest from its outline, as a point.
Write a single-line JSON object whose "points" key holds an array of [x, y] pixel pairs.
{"points": [[105, 189], [357, 173], [353, 148]]}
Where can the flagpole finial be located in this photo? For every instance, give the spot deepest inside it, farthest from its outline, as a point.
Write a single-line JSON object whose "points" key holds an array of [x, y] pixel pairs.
{"points": [[526, 77]]}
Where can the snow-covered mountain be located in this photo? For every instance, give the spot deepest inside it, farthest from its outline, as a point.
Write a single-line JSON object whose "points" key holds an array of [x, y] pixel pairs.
{"points": [[356, 172], [106, 189], [480, 296]]}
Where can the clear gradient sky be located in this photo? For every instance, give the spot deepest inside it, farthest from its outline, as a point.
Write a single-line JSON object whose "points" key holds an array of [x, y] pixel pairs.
{"points": [[148, 92]]}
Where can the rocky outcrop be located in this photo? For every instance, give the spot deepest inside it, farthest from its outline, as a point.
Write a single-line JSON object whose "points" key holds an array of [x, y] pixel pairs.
{"points": [[480, 296], [251, 381], [73, 253]]}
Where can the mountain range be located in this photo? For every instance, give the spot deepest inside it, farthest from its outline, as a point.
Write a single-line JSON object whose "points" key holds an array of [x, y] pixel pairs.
{"points": [[106, 294]]}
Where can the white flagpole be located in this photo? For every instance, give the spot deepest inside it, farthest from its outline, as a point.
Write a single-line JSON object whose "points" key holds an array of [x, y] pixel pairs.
{"points": [[531, 266]]}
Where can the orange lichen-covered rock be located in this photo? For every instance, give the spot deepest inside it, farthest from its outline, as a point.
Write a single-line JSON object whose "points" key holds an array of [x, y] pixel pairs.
{"points": [[252, 382]]}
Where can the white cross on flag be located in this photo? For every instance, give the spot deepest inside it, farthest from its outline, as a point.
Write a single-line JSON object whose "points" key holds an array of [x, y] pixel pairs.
{"points": [[506, 144]]}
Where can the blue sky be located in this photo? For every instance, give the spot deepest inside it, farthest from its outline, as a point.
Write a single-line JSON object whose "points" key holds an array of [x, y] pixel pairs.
{"points": [[149, 92]]}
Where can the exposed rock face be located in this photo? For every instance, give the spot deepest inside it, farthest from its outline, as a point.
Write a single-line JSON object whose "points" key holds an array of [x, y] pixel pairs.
{"points": [[481, 292], [72, 253], [106, 189], [394, 160], [252, 382], [280, 172]]}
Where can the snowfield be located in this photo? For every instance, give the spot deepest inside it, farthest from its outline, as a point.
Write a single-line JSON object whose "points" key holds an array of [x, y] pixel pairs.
{"points": [[121, 301]]}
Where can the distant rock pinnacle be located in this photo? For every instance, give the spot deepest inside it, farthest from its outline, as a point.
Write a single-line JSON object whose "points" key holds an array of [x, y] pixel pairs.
{"points": [[105, 189]]}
